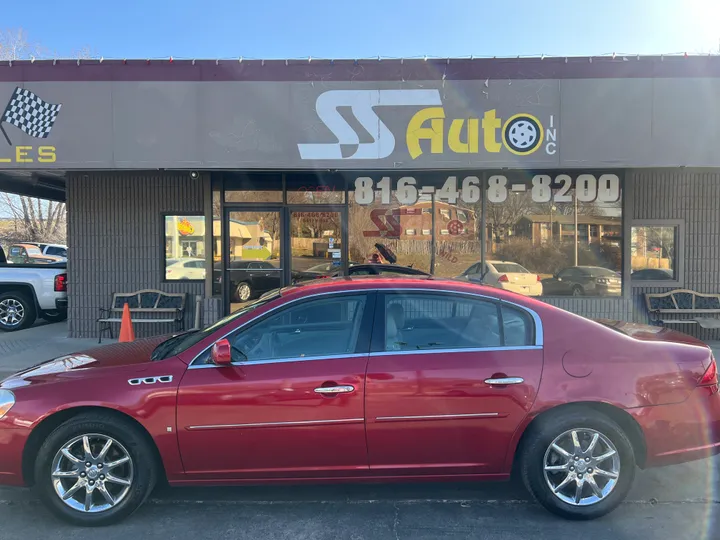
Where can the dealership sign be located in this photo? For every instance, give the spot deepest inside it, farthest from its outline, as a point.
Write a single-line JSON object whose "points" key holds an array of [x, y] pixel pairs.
{"points": [[521, 134]]}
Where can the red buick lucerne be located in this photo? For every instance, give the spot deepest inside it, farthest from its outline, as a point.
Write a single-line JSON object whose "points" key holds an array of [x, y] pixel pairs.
{"points": [[364, 379]]}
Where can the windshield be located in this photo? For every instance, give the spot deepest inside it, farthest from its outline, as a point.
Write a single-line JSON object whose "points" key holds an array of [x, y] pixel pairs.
{"points": [[33, 251], [181, 342], [510, 268]]}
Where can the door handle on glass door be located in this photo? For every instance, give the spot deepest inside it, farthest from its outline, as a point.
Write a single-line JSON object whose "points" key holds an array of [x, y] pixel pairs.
{"points": [[332, 390], [504, 381]]}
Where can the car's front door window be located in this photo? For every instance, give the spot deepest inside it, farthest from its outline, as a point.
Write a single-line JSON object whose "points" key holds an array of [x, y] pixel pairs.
{"points": [[320, 327]]}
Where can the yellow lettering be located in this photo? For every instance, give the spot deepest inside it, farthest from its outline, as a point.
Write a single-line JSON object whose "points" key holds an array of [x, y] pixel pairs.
{"points": [[471, 146], [21, 153], [490, 125], [46, 154], [416, 132]]}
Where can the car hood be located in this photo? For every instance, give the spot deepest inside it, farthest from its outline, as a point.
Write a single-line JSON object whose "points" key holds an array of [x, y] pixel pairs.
{"points": [[107, 356], [644, 332]]}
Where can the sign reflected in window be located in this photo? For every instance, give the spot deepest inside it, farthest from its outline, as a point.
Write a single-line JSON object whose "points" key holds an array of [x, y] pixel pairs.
{"points": [[184, 248]]}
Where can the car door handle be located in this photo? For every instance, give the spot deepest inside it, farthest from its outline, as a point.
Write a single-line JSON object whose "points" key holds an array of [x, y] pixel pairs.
{"points": [[504, 381], [331, 390]]}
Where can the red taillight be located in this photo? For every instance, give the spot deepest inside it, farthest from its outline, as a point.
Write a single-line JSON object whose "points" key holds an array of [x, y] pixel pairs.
{"points": [[61, 283], [538, 277], [710, 378], [503, 279]]}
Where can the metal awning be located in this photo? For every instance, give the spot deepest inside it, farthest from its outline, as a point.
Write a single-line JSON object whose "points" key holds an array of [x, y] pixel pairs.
{"points": [[41, 184]]}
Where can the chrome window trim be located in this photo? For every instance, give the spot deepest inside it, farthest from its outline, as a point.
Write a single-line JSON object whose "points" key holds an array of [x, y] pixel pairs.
{"points": [[282, 360], [536, 319], [272, 424], [458, 350]]}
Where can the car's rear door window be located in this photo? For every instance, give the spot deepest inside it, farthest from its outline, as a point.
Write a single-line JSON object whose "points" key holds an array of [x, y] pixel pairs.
{"points": [[417, 321]]}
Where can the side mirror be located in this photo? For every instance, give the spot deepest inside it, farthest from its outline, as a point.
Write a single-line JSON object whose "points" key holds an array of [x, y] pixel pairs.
{"points": [[221, 354]]}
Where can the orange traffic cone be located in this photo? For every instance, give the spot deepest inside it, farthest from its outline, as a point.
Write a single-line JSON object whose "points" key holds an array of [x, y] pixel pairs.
{"points": [[126, 328]]}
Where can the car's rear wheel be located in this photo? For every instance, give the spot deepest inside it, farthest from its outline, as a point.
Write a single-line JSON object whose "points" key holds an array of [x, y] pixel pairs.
{"points": [[95, 470], [577, 290], [577, 464], [17, 311], [243, 292]]}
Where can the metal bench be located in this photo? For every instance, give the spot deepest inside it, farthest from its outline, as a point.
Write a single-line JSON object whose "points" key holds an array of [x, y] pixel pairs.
{"points": [[148, 306], [683, 306]]}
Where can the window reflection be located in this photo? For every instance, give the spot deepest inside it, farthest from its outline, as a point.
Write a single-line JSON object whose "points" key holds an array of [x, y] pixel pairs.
{"points": [[184, 247]]}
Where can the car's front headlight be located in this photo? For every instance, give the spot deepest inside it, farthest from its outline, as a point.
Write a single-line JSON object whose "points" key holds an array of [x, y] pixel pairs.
{"points": [[7, 400]]}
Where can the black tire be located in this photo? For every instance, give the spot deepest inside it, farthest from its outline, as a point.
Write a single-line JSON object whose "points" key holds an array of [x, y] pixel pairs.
{"points": [[140, 451], [243, 289], [13, 300], [536, 444], [54, 316], [577, 290]]}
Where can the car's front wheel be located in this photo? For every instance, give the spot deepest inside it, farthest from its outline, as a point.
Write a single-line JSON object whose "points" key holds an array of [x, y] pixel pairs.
{"points": [[95, 469], [578, 464]]}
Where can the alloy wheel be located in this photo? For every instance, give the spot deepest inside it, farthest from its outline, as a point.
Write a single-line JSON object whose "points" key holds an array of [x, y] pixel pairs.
{"points": [[12, 312], [581, 467], [244, 292], [92, 473]]}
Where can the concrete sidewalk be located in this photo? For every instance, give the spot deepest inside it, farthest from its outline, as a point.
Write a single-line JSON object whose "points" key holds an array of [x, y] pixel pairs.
{"points": [[43, 341]]}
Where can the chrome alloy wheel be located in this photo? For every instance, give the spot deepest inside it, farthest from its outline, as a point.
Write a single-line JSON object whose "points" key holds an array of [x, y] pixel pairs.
{"points": [[12, 312], [92, 473], [581, 467], [243, 292]]}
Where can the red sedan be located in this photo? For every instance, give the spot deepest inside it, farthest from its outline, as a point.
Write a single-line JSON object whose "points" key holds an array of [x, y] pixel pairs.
{"points": [[365, 379]]}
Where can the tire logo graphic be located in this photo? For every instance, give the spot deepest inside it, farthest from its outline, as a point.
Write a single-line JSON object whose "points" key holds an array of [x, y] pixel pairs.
{"points": [[522, 134], [455, 227]]}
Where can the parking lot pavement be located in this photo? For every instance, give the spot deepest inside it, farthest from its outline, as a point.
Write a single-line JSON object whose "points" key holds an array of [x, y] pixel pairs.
{"points": [[665, 504]]}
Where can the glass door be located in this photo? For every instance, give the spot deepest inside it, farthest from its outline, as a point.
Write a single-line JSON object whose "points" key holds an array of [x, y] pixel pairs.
{"points": [[252, 255], [318, 242]]}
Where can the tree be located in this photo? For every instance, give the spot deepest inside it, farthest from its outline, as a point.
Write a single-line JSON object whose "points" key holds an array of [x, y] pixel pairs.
{"points": [[35, 220]]}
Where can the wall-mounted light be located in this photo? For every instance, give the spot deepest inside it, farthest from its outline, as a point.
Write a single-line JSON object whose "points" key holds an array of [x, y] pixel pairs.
{"points": [[194, 175]]}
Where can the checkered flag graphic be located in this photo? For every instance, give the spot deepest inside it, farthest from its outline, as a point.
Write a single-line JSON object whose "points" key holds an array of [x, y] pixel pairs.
{"points": [[30, 113]]}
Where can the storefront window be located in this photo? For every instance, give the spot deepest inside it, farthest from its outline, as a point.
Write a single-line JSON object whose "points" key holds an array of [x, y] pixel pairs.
{"points": [[379, 217], [315, 188], [654, 252], [253, 188], [565, 229], [184, 247]]}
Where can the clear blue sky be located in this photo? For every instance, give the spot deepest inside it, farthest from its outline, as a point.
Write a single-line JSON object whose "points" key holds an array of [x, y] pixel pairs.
{"points": [[367, 28]]}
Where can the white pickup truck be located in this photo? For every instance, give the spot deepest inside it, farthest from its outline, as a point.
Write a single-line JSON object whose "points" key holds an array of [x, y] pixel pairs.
{"points": [[29, 291]]}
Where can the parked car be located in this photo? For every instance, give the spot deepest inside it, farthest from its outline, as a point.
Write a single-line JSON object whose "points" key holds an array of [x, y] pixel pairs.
{"points": [[505, 275], [248, 279], [327, 270], [652, 274], [186, 269], [584, 280], [53, 250], [339, 379], [29, 254], [28, 291]]}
